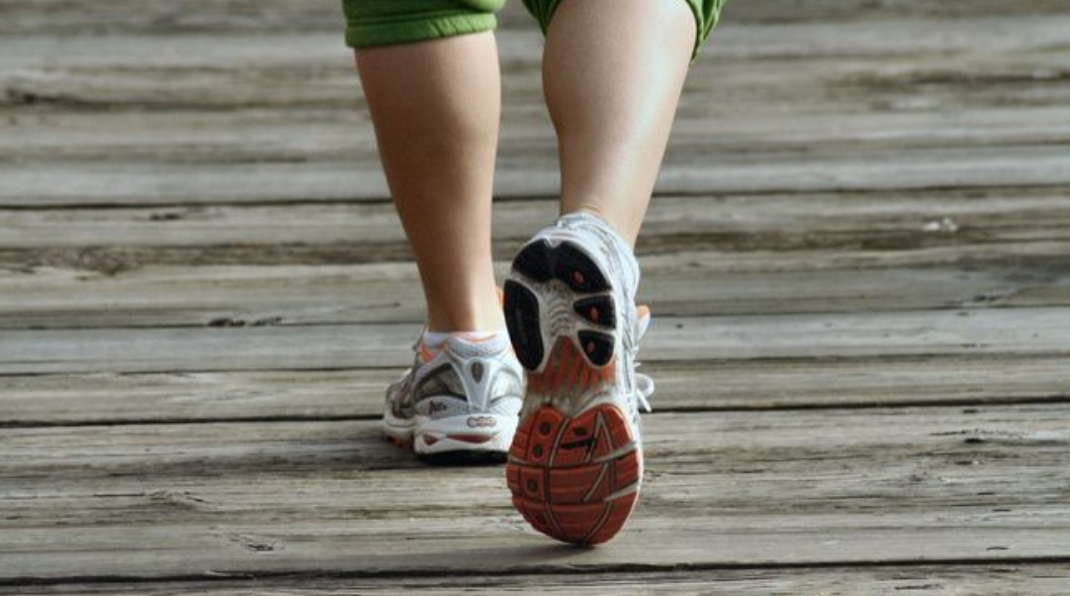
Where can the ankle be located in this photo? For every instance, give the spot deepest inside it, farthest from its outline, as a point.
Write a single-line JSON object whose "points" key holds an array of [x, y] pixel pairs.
{"points": [[434, 340], [477, 316], [471, 326]]}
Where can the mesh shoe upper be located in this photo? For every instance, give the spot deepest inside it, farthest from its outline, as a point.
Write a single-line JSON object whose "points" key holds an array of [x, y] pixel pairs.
{"points": [[462, 377], [624, 270]]}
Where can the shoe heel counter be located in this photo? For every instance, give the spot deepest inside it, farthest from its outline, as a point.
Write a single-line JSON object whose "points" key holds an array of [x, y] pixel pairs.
{"points": [[488, 378]]}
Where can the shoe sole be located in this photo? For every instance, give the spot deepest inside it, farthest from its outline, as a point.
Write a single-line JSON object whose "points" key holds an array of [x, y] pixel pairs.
{"points": [[574, 467], [456, 440]]}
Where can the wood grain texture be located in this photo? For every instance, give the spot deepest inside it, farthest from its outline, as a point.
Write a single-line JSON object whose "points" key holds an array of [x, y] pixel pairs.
{"points": [[193, 296], [113, 398], [871, 97], [1024, 331], [31, 185], [904, 484], [796, 220], [762, 254], [259, 134], [918, 580]]}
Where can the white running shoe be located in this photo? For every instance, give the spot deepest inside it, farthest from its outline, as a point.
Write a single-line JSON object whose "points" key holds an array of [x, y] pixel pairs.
{"points": [[576, 463], [459, 401]]}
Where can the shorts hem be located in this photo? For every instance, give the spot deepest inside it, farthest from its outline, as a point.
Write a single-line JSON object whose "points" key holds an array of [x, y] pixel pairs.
{"points": [[394, 32], [705, 20]]}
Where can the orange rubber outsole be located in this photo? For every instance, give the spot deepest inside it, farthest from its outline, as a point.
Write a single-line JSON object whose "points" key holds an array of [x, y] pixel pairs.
{"points": [[574, 479]]}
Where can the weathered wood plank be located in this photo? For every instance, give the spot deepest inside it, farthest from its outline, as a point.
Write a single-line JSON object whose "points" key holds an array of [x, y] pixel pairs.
{"points": [[110, 293], [798, 98], [260, 135], [837, 335], [1015, 233], [303, 134], [863, 72], [35, 184], [1029, 579], [878, 79], [826, 486], [499, 544], [307, 69], [108, 398], [1023, 66], [734, 222], [882, 81], [239, 296], [193, 266]]}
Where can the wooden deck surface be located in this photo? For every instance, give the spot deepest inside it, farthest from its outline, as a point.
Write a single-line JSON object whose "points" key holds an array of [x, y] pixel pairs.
{"points": [[858, 261]]}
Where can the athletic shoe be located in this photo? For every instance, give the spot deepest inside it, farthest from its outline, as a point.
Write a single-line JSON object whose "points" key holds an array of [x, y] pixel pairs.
{"points": [[459, 401], [576, 463]]}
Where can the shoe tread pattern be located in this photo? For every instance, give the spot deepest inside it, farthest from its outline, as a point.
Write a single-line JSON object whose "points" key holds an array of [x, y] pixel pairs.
{"points": [[573, 477]]}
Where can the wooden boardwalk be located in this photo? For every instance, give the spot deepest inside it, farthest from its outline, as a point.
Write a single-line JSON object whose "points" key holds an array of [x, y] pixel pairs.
{"points": [[858, 261]]}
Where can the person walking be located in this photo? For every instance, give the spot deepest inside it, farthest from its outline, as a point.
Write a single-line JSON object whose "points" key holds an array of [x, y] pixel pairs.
{"points": [[542, 372]]}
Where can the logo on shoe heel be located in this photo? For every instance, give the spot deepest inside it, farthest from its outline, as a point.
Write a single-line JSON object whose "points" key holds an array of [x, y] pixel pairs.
{"points": [[482, 422]]}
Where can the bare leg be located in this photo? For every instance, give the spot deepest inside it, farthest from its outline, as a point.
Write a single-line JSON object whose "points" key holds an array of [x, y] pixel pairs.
{"points": [[612, 74], [436, 108]]}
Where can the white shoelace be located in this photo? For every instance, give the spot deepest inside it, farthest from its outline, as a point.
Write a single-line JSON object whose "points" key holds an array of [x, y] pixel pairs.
{"points": [[644, 388], [644, 385]]}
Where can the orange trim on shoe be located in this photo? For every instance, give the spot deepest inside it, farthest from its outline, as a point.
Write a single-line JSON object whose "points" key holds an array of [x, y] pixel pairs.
{"points": [[426, 354]]}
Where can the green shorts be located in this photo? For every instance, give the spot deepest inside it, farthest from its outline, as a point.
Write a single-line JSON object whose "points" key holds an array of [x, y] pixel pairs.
{"points": [[389, 22]]}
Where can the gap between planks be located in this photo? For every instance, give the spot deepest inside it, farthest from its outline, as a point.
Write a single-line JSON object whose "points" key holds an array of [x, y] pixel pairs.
{"points": [[1023, 578]]}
